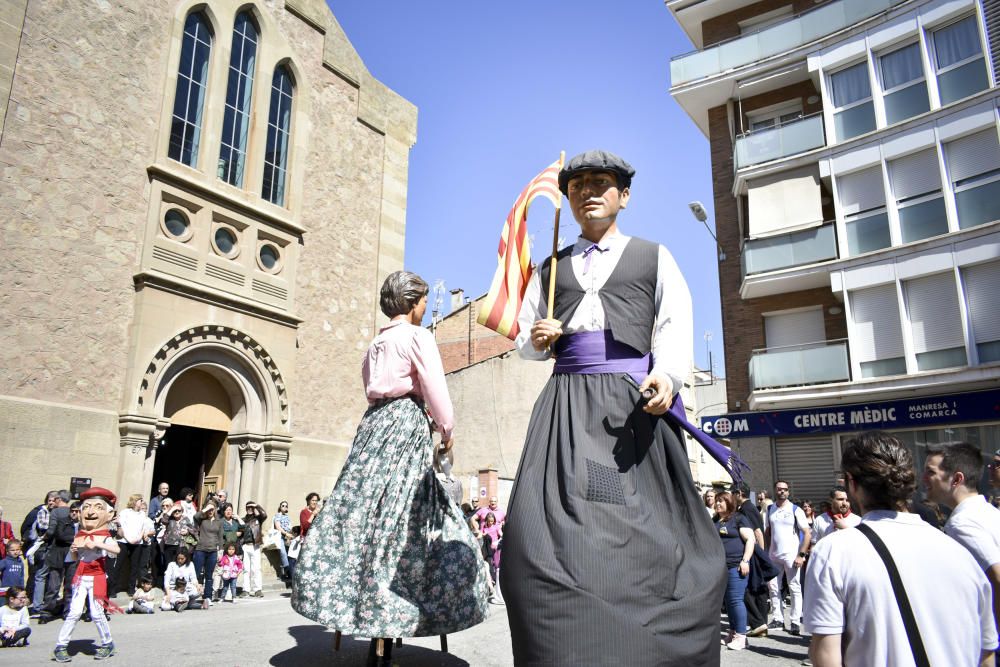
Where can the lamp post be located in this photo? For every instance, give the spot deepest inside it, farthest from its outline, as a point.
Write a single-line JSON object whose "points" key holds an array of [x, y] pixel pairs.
{"points": [[701, 215]]}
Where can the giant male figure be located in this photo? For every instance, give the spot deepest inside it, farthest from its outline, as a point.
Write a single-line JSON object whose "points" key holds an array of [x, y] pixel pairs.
{"points": [[609, 556]]}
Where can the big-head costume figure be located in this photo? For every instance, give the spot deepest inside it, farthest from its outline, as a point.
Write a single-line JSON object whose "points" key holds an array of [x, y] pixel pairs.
{"points": [[90, 548], [609, 557]]}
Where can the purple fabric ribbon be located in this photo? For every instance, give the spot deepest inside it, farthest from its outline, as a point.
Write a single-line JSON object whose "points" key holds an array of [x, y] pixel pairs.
{"points": [[591, 352], [587, 255]]}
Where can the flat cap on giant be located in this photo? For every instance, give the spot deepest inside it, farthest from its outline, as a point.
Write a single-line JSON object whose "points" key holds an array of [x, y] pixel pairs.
{"points": [[596, 161]]}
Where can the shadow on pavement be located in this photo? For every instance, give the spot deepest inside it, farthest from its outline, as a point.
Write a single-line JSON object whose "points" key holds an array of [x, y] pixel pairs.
{"points": [[314, 646]]}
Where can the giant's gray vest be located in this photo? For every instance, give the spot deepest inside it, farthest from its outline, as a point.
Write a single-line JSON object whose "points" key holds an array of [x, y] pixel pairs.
{"points": [[628, 297]]}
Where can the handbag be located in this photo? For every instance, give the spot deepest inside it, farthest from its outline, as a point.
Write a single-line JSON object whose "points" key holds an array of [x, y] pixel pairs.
{"points": [[271, 539], [905, 610]]}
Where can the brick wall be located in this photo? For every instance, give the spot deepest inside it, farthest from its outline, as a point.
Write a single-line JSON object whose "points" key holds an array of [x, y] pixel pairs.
{"points": [[724, 27], [452, 334], [742, 320]]}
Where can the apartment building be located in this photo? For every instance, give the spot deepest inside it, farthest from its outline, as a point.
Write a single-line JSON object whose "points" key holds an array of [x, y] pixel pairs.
{"points": [[856, 175]]}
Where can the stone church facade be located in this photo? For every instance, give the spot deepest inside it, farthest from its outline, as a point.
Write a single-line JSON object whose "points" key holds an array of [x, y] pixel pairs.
{"points": [[198, 203]]}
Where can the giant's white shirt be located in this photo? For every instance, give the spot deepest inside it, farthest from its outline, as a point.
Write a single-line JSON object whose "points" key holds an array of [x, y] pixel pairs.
{"points": [[672, 345], [848, 592]]}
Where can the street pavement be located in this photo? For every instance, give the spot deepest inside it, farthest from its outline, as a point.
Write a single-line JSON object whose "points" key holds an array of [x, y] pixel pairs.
{"points": [[267, 632]]}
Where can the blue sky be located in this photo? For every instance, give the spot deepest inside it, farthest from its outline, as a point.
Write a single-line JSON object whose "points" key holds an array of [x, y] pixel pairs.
{"points": [[501, 88]]}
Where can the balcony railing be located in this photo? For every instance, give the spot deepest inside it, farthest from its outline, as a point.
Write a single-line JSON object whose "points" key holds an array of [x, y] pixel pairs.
{"points": [[774, 143], [798, 365], [774, 39], [808, 246]]}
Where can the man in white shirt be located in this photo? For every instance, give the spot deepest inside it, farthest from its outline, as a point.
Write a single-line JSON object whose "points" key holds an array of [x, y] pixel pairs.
{"points": [[786, 530], [851, 608], [951, 474], [839, 517]]}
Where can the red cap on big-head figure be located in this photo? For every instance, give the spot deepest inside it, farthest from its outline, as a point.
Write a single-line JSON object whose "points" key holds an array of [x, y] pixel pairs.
{"points": [[99, 492]]}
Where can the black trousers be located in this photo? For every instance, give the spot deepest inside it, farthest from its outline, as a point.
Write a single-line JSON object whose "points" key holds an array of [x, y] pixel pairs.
{"points": [[58, 589], [127, 569], [18, 636], [756, 608]]}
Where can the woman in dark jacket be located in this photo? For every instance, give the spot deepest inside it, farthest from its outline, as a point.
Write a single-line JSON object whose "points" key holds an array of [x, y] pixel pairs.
{"points": [[253, 538], [177, 533], [206, 551]]}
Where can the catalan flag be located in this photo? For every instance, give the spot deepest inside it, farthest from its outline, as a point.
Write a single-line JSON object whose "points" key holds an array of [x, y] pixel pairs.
{"points": [[514, 267]]}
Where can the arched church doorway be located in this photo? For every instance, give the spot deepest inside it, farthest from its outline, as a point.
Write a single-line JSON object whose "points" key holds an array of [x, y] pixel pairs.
{"points": [[193, 452]]}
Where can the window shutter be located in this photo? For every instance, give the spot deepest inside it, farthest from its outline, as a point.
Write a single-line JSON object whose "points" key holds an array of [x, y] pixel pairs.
{"points": [[878, 334], [798, 328], [973, 155], [915, 174], [784, 202], [982, 289], [935, 319], [861, 191]]}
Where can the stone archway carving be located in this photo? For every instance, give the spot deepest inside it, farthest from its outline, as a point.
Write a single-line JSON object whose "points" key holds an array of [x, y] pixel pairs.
{"points": [[236, 358]]}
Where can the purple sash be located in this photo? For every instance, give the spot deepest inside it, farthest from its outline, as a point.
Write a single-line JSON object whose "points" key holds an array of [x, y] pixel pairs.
{"points": [[591, 352]]}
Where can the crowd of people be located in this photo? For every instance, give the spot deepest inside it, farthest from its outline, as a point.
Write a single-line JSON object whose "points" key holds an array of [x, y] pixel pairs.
{"points": [[487, 523], [196, 555], [800, 566]]}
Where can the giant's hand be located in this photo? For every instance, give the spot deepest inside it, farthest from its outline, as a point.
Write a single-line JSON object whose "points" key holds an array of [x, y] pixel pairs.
{"points": [[544, 333], [663, 388]]}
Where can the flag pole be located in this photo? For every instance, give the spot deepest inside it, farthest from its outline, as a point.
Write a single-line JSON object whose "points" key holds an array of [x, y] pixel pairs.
{"points": [[555, 250]]}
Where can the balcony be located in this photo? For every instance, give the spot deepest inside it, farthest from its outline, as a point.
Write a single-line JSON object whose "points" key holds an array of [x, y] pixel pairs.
{"points": [[808, 246], [785, 140], [775, 39], [800, 365]]}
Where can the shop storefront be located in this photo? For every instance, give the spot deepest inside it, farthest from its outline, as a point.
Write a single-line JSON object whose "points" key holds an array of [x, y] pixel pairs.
{"points": [[806, 443]]}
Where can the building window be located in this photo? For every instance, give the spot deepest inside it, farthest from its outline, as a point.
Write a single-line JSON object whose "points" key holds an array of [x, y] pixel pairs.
{"points": [[935, 322], [916, 185], [764, 120], [189, 97], [974, 169], [176, 224], [269, 257], [958, 55], [877, 341], [982, 294], [854, 113], [226, 241], [236, 121], [862, 200], [903, 84], [279, 123]]}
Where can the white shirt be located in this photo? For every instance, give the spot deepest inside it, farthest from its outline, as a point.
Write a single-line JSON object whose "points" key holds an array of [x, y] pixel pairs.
{"points": [[130, 523], [823, 525], [848, 592], [785, 540], [976, 525], [673, 332]]}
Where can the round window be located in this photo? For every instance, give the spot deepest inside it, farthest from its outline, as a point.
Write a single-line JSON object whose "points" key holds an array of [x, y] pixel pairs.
{"points": [[269, 256], [177, 223], [225, 240]]}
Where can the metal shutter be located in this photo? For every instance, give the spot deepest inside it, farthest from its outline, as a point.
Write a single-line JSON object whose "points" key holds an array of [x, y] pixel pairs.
{"points": [[807, 465], [798, 328], [982, 289], [973, 155], [877, 332], [935, 319], [991, 12], [861, 191], [915, 174]]}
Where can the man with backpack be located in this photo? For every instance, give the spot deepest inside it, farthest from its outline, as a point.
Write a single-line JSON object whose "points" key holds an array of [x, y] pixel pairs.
{"points": [[786, 531]]}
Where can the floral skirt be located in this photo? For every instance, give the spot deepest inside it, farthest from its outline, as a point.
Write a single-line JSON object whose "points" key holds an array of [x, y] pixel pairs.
{"points": [[390, 554]]}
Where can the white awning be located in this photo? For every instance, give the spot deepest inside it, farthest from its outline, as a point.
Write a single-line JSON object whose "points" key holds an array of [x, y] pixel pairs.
{"points": [[785, 202]]}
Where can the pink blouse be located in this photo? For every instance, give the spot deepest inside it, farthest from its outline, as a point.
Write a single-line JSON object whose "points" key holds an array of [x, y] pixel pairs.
{"points": [[403, 359]]}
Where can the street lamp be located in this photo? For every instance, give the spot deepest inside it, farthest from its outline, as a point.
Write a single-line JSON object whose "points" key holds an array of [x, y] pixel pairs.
{"points": [[701, 215]]}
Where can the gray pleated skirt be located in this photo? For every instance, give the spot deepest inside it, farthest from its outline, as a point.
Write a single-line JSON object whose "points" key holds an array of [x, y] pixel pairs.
{"points": [[609, 555]]}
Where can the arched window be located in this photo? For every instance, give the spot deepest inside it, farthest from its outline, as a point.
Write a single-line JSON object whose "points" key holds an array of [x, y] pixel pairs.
{"points": [[279, 124], [189, 98], [236, 122]]}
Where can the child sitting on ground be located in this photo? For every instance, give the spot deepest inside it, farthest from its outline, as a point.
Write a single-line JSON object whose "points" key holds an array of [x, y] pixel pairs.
{"points": [[177, 597], [231, 566], [142, 599], [181, 569], [293, 549], [14, 629], [12, 568]]}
